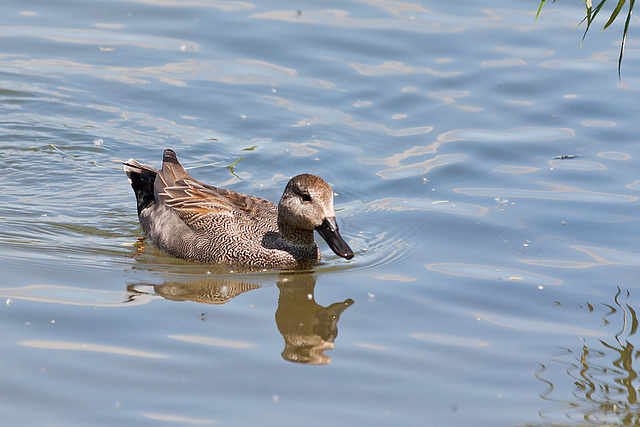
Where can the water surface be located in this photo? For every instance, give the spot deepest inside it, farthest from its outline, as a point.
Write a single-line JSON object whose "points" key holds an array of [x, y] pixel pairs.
{"points": [[485, 174]]}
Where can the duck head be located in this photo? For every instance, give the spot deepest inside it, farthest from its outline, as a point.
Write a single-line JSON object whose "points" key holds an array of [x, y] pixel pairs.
{"points": [[307, 205]]}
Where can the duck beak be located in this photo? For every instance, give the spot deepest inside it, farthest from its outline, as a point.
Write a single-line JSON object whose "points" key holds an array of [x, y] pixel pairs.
{"points": [[329, 232]]}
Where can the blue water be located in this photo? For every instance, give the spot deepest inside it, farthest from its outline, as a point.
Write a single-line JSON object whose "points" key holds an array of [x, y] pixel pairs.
{"points": [[485, 170]]}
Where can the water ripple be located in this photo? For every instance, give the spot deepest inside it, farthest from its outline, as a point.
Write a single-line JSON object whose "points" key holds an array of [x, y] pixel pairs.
{"points": [[81, 346], [98, 37], [525, 134], [395, 204], [396, 67], [577, 165], [456, 341], [377, 247], [478, 271], [599, 256], [421, 168], [69, 295], [556, 192], [537, 325]]}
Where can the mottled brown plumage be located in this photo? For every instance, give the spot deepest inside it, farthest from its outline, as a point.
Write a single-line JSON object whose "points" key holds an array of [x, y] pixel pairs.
{"points": [[192, 220]]}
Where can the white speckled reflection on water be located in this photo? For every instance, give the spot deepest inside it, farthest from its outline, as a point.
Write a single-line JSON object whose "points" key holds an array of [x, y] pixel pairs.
{"points": [[485, 174]]}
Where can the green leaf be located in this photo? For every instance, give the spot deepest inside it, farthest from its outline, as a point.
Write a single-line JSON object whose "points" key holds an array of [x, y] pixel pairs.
{"points": [[540, 9], [624, 35], [62, 152], [591, 16], [234, 163], [230, 167], [614, 14]]}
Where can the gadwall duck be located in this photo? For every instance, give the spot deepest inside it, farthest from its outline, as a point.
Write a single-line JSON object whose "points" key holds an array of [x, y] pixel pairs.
{"points": [[192, 220]]}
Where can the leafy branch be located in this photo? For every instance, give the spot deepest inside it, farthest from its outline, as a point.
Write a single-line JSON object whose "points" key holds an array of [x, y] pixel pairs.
{"points": [[592, 12]]}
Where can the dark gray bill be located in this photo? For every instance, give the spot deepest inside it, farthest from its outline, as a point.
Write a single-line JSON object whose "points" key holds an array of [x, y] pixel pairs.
{"points": [[329, 232]]}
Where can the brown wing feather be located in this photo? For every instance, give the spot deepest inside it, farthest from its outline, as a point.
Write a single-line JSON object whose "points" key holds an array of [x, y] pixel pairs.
{"points": [[195, 201]]}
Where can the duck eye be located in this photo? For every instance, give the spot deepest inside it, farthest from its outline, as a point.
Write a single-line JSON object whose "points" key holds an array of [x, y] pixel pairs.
{"points": [[306, 197]]}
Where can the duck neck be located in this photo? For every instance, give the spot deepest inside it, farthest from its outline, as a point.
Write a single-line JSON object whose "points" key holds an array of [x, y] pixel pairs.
{"points": [[294, 236]]}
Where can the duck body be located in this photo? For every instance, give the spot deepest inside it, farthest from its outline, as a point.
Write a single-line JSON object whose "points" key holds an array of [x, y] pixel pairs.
{"points": [[192, 220]]}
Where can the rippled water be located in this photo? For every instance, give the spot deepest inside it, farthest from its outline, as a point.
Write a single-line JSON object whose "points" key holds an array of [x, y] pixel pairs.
{"points": [[485, 170]]}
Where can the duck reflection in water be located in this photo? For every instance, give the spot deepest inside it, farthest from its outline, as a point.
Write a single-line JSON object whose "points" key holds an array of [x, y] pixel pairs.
{"points": [[308, 329]]}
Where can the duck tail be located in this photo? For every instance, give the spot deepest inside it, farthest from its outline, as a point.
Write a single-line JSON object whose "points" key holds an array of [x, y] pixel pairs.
{"points": [[141, 178]]}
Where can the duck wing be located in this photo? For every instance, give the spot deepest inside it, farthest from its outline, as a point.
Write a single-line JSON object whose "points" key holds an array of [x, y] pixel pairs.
{"points": [[197, 204]]}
